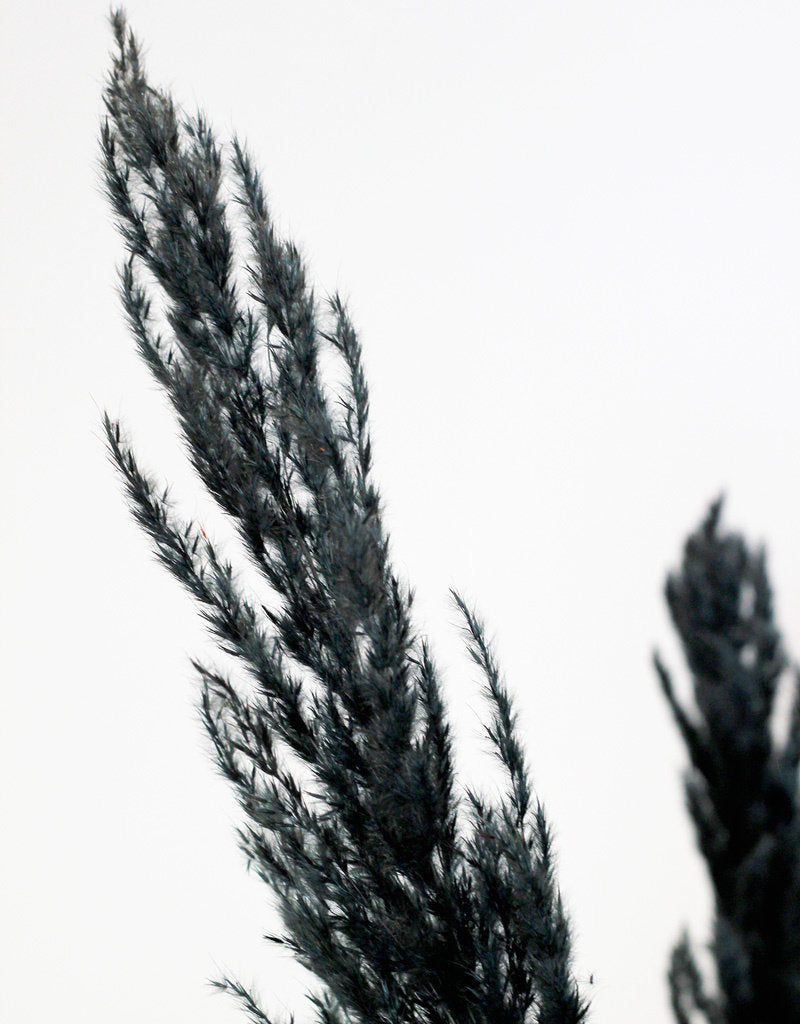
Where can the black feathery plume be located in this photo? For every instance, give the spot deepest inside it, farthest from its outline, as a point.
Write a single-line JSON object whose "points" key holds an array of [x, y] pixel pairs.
{"points": [[405, 905], [742, 784]]}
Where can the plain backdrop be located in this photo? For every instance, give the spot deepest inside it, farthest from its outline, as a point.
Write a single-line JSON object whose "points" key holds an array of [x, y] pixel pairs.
{"points": [[569, 235]]}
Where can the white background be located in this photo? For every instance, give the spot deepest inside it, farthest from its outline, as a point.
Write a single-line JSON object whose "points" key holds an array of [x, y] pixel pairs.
{"points": [[569, 233]]}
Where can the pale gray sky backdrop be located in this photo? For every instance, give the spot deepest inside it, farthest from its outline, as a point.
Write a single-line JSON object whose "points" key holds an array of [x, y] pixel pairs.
{"points": [[569, 233]]}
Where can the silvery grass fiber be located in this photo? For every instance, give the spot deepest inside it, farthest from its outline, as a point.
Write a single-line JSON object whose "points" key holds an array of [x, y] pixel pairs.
{"points": [[410, 898]]}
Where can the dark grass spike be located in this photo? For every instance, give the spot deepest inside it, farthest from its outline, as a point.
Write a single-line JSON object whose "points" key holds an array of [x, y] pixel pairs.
{"points": [[337, 745], [741, 787]]}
